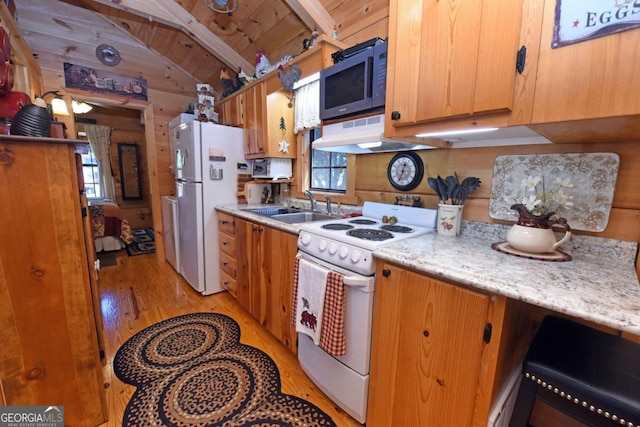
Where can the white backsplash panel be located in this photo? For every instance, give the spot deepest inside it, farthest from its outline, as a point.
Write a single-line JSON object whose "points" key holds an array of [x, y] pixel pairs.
{"points": [[588, 181]]}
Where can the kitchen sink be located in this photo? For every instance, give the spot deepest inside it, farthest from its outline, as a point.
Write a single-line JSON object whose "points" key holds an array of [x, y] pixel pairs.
{"points": [[297, 217], [289, 215], [273, 211]]}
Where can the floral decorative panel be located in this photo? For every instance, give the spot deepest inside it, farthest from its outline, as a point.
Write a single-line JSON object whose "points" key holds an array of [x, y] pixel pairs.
{"points": [[577, 186]]}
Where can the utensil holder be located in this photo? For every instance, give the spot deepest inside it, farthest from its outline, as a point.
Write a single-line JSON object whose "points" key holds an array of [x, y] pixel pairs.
{"points": [[449, 221]]}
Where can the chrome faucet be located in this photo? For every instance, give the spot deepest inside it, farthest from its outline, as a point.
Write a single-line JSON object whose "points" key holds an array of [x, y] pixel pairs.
{"points": [[328, 199], [314, 203]]}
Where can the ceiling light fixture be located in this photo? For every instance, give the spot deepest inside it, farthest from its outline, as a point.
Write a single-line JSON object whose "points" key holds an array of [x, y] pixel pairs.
{"points": [[80, 107], [221, 6], [58, 105], [454, 132]]}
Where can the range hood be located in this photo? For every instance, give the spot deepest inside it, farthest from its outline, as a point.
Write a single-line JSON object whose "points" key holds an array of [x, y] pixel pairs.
{"points": [[360, 136]]}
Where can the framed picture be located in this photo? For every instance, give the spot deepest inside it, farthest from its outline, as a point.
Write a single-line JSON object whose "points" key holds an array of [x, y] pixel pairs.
{"points": [[580, 20], [106, 82]]}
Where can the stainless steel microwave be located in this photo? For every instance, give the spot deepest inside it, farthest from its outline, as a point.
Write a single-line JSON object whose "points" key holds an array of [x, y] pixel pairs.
{"points": [[355, 85]]}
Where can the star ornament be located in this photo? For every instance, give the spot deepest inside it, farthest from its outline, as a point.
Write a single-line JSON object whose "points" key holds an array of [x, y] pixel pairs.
{"points": [[284, 146]]}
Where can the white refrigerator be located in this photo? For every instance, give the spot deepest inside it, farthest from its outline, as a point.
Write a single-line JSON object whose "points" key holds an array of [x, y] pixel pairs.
{"points": [[170, 231], [208, 160]]}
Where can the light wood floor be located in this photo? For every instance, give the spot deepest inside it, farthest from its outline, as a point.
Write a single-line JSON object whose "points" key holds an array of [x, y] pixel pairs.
{"points": [[139, 292]]}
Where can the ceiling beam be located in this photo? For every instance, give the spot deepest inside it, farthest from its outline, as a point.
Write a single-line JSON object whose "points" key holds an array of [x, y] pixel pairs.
{"points": [[313, 14], [171, 13]]}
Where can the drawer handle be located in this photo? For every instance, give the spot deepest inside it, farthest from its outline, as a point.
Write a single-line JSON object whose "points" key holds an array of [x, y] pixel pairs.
{"points": [[225, 243], [225, 263], [225, 222]]}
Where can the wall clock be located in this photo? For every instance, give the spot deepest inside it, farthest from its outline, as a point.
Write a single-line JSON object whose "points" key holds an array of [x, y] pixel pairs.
{"points": [[405, 171], [108, 55]]}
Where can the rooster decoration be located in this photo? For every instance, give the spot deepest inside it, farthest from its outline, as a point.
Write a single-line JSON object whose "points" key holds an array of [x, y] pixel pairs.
{"points": [[263, 66], [288, 80], [226, 82]]}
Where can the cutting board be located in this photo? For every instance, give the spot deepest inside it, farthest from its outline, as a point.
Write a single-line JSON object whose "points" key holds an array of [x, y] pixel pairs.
{"points": [[592, 175]]}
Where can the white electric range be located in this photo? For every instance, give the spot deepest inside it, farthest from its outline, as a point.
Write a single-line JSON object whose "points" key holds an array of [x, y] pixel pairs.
{"points": [[345, 246], [349, 242]]}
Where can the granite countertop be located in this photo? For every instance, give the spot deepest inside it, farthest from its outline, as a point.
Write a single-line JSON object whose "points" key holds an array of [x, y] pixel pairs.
{"points": [[599, 284], [242, 211]]}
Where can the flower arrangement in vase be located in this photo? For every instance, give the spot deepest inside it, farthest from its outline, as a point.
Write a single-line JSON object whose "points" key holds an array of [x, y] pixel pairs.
{"points": [[451, 195], [536, 209]]}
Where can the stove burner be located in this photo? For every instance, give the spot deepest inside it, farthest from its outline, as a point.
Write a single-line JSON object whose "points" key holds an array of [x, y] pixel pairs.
{"points": [[370, 234], [335, 226], [397, 228], [363, 221]]}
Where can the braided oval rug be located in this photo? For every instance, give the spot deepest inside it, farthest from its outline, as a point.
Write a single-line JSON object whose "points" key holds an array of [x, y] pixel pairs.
{"points": [[191, 370]]}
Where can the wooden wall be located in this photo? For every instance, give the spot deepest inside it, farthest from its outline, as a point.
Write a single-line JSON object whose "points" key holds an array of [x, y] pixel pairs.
{"points": [[126, 126], [160, 108], [624, 222]]}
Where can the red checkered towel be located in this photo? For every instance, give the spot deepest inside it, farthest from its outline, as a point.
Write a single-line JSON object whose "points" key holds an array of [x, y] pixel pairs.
{"points": [[332, 338]]}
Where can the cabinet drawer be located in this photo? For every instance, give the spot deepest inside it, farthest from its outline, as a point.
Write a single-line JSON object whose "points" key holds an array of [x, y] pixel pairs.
{"points": [[228, 283], [228, 244], [227, 223], [228, 264]]}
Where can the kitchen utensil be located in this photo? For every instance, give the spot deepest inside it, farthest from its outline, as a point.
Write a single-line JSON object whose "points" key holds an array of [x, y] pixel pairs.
{"points": [[433, 183], [443, 189], [459, 195]]}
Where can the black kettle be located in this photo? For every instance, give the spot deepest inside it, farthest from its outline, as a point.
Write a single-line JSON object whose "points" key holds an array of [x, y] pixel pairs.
{"points": [[33, 119]]}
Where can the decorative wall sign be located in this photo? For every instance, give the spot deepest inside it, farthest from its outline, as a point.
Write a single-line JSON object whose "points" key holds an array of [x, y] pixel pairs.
{"points": [[580, 20], [105, 82], [591, 179]]}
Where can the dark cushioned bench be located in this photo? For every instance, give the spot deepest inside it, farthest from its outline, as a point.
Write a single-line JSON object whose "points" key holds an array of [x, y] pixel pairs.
{"points": [[588, 374]]}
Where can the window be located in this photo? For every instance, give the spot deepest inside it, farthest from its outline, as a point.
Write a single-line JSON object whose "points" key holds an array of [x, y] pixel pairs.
{"points": [[91, 175], [328, 169]]}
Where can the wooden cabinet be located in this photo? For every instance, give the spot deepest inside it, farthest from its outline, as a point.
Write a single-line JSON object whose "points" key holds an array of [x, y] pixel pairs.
{"points": [[49, 353], [260, 106], [451, 59], [594, 80], [265, 277], [232, 111], [429, 358], [280, 113], [255, 119], [228, 252], [264, 116], [452, 65]]}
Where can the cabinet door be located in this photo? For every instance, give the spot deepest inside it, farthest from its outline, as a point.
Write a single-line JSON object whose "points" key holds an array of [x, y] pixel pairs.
{"points": [[591, 79], [249, 265], [426, 351], [280, 125], [232, 111], [451, 58], [49, 349], [254, 121], [279, 251], [265, 277]]}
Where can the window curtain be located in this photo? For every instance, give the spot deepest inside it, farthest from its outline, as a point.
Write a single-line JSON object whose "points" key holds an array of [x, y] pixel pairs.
{"points": [[100, 141], [307, 107]]}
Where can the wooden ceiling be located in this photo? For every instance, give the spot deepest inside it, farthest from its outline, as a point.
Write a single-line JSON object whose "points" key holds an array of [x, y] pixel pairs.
{"points": [[172, 43]]}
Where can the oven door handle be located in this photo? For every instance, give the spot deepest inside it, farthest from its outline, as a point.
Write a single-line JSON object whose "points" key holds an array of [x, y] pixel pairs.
{"points": [[355, 281]]}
